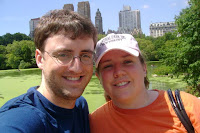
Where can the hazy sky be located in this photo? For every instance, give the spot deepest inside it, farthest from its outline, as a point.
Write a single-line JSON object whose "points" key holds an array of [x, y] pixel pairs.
{"points": [[16, 14]]}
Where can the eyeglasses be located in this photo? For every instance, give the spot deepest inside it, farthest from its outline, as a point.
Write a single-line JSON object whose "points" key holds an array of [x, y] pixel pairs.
{"points": [[65, 57]]}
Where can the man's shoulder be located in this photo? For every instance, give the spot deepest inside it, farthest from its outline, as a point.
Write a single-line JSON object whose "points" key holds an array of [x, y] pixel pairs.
{"points": [[22, 114], [26, 99], [22, 118], [21, 108]]}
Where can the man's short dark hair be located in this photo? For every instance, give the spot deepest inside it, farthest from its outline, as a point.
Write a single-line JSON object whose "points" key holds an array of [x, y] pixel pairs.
{"points": [[67, 22]]}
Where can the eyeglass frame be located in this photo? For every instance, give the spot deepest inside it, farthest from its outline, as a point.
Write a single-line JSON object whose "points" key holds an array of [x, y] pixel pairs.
{"points": [[72, 58]]}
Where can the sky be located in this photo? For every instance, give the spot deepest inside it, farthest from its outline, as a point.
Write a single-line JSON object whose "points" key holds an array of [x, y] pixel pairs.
{"points": [[16, 14]]}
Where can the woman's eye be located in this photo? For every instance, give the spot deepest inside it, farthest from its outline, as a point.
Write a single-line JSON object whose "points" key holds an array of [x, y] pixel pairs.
{"points": [[107, 66], [128, 61]]}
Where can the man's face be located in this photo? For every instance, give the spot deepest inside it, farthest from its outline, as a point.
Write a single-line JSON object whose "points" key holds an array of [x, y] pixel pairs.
{"points": [[66, 81]]}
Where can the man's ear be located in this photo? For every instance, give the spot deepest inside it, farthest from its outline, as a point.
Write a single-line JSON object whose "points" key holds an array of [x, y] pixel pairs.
{"points": [[39, 58]]}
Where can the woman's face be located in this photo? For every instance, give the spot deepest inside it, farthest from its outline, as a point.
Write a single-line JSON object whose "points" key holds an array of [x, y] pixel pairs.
{"points": [[122, 75]]}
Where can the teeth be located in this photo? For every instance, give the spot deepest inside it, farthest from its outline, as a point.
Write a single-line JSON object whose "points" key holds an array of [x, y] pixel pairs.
{"points": [[73, 78], [121, 84]]}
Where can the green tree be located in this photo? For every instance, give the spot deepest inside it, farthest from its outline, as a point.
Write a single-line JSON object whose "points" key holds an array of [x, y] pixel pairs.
{"points": [[159, 42], [188, 58], [150, 38], [24, 64], [20, 37], [170, 52], [2, 57], [170, 36], [20, 52], [100, 36], [139, 35], [9, 38], [26, 53], [147, 49], [2, 41], [13, 61]]}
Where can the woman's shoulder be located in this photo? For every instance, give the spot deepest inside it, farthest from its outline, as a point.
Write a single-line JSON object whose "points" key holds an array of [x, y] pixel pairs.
{"points": [[102, 110], [189, 97]]}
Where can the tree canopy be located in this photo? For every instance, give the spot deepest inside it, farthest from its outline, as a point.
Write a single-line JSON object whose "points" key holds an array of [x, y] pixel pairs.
{"points": [[9, 38], [187, 53], [20, 52]]}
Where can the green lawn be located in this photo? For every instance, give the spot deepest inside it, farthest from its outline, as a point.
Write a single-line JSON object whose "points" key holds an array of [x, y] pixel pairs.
{"points": [[94, 94], [14, 83], [166, 82]]}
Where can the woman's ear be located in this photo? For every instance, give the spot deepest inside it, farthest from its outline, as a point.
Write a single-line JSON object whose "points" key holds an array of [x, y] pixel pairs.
{"points": [[145, 69], [97, 75], [39, 58]]}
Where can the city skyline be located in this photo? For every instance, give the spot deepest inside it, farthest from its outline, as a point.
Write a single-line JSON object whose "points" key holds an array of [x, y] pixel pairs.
{"points": [[15, 15]]}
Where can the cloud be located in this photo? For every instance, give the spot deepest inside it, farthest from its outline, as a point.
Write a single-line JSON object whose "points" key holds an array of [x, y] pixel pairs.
{"points": [[145, 6]]}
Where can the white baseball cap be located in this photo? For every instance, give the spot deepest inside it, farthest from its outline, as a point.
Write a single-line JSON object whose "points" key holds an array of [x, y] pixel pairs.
{"points": [[125, 42]]}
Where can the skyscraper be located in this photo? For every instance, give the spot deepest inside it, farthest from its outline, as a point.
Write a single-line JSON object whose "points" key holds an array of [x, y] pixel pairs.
{"points": [[98, 22], [129, 20], [84, 9], [68, 7], [32, 25]]}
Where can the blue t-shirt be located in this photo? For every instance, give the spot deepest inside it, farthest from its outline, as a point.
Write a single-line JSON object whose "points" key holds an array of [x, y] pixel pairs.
{"points": [[33, 113]]}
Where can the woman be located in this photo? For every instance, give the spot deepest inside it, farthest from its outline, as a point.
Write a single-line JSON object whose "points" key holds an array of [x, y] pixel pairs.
{"points": [[131, 108]]}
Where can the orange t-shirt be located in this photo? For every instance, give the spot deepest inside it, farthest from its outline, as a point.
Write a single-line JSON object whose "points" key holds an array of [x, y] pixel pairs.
{"points": [[158, 117]]}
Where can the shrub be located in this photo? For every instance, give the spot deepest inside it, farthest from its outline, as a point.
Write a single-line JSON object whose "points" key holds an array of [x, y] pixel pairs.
{"points": [[24, 64], [193, 91], [163, 70]]}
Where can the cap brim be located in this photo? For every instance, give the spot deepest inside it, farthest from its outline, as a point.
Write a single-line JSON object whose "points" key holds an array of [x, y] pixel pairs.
{"points": [[131, 51]]}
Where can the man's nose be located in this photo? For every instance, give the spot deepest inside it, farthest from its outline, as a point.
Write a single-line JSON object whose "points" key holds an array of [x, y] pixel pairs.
{"points": [[76, 65]]}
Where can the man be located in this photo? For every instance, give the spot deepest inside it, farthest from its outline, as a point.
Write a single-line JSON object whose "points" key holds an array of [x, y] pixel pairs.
{"points": [[65, 43]]}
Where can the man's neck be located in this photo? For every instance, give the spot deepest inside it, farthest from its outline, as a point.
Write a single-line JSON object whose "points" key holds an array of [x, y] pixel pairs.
{"points": [[56, 100]]}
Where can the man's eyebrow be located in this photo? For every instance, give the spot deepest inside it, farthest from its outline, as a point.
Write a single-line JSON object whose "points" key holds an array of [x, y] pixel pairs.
{"points": [[88, 51], [71, 51], [62, 50]]}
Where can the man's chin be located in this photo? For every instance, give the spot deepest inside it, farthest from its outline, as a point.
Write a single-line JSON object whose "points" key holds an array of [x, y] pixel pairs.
{"points": [[73, 95]]}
